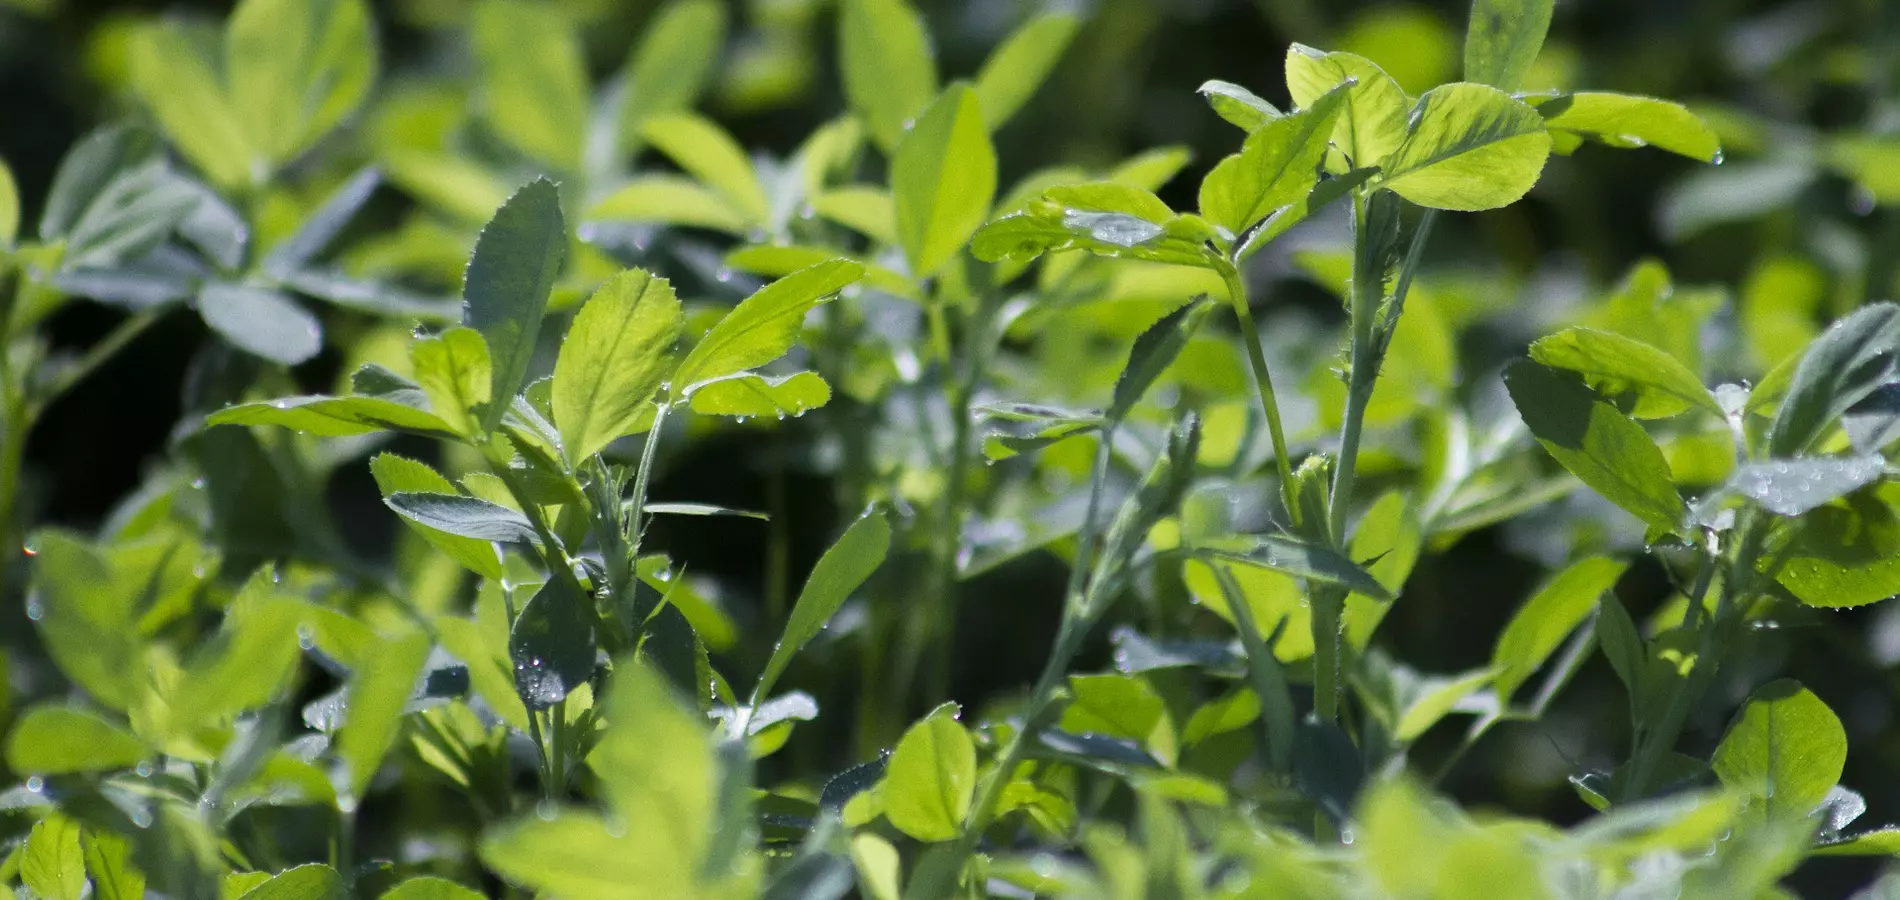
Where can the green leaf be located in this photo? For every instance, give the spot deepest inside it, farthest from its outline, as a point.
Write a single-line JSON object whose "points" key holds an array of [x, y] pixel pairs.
{"points": [[1840, 555], [1785, 751], [1602, 447], [108, 859], [169, 75], [763, 326], [869, 211], [929, 785], [1502, 40], [572, 854], [490, 671], [706, 151], [1541, 625], [296, 69], [670, 200], [750, 394], [9, 206], [57, 740], [87, 617], [1103, 218], [1119, 706], [1878, 842], [1792, 487], [53, 865], [1017, 67], [309, 882], [395, 474], [943, 178], [885, 61], [131, 214], [1277, 166], [248, 663], [1470, 147], [1614, 364], [334, 416], [552, 644], [1154, 351], [516, 261], [1622, 644], [1301, 560], [658, 773], [840, 571], [454, 370], [533, 79], [1624, 120], [1431, 699], [1242, 108], [378, 691], [431, 888], [675, 59], [701, 509], [1374, 123], [612, 361], [87, 171], [779, 260], [261, 321], [1848, 362], [469, 517], [323, 224]]}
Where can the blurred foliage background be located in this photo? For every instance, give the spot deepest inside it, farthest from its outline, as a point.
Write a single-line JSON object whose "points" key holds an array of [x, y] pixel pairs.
{"points": [[1800, 223]]}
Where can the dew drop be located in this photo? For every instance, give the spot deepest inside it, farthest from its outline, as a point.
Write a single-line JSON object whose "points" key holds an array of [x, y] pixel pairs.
{"points": [[806, 211], [545, 810], [1860, 200], [144, 769], [723, 276], [35, 610], [1717, 159], [141, 818], [34, 784], [29, 549]]}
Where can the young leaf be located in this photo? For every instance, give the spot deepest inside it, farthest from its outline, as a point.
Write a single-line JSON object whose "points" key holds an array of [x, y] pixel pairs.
{"points": [[886, 63], [378, 691], [430, 887], [1104, 218], [869, 211], [552, 644], [1017, 67], [87, 618], [261, 321], [1242, 108], [334, 416], [928, 787], [1302, 560], [454, 370], [1470, 147], [297, 68], [1614, 364], [533, 79], [249, 662], [1374, 122], [1502, 40], [169, 75], [840, 571], [612, 361], [395, 474], [705, 150], [307, 882], [1277, 166], [670, 200], [505, 293], [675, 58], [1154, 351], [762, 327], [1623, 120], [466, 516], [1785, 751], [750, 394], [1541, 625], [53, 864], [657, 770], [1602, 447], [86, 172], [943, 178], [573, 854], [1849, 361], [57, 740]]}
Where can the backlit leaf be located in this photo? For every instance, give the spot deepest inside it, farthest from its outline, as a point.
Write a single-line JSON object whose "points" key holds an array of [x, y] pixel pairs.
{"points": [[454, 370], [505, 292], [887, 66], [763, 326], [612, 360], [1624, 120], [56, 740], [1540, 626], [1374, 122], [1785, 750], [533, 79], [1502, 40], [296, 69], [1018, 66], [705, 150], [943, 178], [840, 571], [751, 395], [1614, 364], [1470, 147], [929, 785], [1602, 447]]}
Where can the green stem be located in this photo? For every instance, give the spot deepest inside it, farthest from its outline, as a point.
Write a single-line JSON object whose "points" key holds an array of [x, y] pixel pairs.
{"points": [[1328, 615], [96, 355], [642, 477], [1652, 744], [557, 751], [1263, 381]]}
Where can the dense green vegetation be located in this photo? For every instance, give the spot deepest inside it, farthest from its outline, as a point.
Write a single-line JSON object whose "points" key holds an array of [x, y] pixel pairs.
{"points": [[807, 450]]}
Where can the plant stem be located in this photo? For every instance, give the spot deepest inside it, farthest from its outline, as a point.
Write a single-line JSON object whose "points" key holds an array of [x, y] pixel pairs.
{"points": [[642, 477], [1651, 744], [557, 751], [1263, 382], [96, 355]]}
